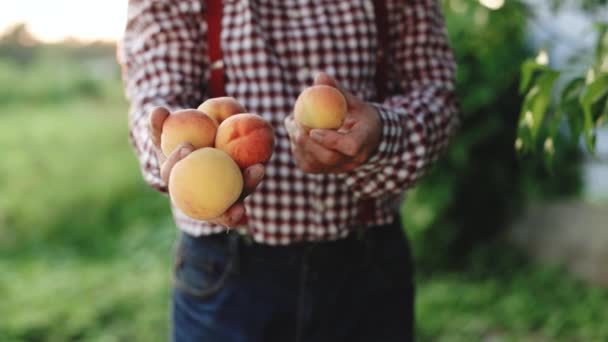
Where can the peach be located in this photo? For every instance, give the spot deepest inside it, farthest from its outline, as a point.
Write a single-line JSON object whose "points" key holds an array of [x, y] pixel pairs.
{"points": [[220, 108], [247, 138], [189, 125], [320, 106], [205, 183]]}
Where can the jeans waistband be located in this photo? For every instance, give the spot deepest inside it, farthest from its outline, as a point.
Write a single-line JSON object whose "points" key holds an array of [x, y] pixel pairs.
{"points": [[347, 249]]}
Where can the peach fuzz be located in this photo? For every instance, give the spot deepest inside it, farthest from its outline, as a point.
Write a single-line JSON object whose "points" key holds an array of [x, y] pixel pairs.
{"points": [[205, 183], [247, 138], [220, 108], [189, 125], [320, 106]]}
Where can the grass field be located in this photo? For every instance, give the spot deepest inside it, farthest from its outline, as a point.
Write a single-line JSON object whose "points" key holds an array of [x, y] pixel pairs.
{"points": [[86, 247]]}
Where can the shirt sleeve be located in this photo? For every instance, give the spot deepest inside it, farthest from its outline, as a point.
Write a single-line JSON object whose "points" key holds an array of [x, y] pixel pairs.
{"points": [[163, 62], [421, 113]]}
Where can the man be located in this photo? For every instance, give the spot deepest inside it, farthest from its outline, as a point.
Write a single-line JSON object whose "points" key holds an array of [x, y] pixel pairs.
{"points": [[321, 255]]}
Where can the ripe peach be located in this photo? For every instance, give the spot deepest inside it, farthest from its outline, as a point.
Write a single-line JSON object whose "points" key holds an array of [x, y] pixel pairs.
{"points": [[247, 138], [205, 183], [320, 106], [220, 108], [188, 125]]}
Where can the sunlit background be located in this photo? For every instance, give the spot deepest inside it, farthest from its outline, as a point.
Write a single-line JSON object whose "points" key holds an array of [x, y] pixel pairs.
{"points": [[52, 21], [505, 249]]}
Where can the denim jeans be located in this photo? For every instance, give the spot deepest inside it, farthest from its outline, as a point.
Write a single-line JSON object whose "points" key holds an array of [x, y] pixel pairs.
{"points": [[356, 289]]}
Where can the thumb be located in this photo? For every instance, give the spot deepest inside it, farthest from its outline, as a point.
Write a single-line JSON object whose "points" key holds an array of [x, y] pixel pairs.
{"points": [[323, 78]]}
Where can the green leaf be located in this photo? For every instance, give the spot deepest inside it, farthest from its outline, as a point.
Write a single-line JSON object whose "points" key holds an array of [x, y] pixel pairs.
{"points": [[601, 45], [523, 143], [604, 117], [549, 153], [554, 124], [572, 89], [569, 106], [536, 103], [594, 91], [528, 69], [598, 109]]}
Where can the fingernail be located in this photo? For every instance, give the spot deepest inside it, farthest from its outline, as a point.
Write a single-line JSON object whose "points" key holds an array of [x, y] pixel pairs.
{"points": [[236, 216], [317, 135], [257, 172], [184, 151]]}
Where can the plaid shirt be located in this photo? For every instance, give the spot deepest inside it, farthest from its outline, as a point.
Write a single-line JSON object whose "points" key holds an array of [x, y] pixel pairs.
{"points": [[272, 50]]}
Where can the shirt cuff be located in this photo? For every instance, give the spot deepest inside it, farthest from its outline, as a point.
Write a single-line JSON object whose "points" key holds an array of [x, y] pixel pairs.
{"points": [[391, 131]]}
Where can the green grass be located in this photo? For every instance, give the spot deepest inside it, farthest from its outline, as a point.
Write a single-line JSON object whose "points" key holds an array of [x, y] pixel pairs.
{"points": [[59, 298], [86, 246], [69, 176], [504, 296]]}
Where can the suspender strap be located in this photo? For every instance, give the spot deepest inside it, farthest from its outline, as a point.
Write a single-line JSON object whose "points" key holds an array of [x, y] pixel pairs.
{"points": [[366, 207], [217, 87], [380, 17], [213, 16]]}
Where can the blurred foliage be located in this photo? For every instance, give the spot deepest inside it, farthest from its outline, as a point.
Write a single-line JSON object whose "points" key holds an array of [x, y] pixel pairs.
{"points": [[45, 73], [480, 186], [586, 5], [85, 245], [26, 86], [56, 295], [503, 297], [581, 102], [573, 97]]}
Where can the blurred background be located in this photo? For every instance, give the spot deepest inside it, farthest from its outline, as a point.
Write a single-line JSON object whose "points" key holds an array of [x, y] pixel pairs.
{"points": [[505, 248]]}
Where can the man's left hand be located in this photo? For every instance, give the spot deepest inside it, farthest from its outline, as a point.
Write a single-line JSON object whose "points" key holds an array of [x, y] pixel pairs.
{"points": [[341, 150]]}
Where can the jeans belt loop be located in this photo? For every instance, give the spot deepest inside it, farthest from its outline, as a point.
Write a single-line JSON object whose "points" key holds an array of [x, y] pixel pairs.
{"points": [[360, 232], [233, 250]]}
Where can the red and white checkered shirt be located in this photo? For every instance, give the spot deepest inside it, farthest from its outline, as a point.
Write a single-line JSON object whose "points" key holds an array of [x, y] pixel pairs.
{"points": [[272, 49]]}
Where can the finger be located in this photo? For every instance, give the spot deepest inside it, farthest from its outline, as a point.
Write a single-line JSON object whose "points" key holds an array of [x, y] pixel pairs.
{"points": [[231, 217], [296, 132], [252, 176], [287, 119], [302, 161], [298, 154], [323, 78], [156, 119], [160, 156], [310, 148], [290, 126], [178, 154], [349, 166], [306, 162], [307, 166], [349, 143], [348, 124], [323, 155], [310, 151]]}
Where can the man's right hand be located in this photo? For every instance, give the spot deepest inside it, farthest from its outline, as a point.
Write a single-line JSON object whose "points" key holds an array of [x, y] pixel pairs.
{"points": [[252, 175]]}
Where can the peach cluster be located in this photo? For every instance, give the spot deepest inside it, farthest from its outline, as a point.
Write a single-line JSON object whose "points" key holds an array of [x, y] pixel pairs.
{"points": [[227, 140], [320, 106]]}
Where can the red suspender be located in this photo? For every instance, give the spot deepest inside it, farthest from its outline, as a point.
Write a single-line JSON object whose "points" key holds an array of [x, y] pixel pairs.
{"points": [[365, 207], [213, 15], [382, 36]]}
